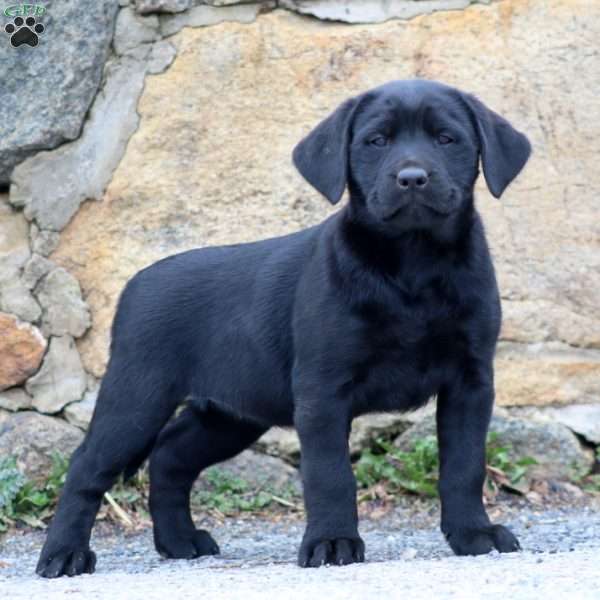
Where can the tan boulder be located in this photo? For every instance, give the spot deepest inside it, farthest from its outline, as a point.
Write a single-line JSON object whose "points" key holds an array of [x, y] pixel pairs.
{"points": [[22, 347], [210, 162], [552, 373]]}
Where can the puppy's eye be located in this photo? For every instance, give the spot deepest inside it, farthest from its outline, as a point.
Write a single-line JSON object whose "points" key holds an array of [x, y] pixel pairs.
{"points": [[378, 140], [444, 138]]}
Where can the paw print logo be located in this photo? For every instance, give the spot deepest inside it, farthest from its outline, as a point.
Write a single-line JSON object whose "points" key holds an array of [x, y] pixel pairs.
{"points": [[24, 31]]}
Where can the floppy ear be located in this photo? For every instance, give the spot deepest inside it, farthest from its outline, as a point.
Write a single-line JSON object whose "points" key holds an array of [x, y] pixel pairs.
{"points": [[504, 150], [322, 156]]}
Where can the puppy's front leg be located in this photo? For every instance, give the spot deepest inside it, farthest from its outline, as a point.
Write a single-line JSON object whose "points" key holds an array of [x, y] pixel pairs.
{"points": [[463, 415], [331, 535]]}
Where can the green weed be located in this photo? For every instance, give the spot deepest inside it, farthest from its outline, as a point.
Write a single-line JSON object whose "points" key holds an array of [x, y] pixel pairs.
{"points": [[27, 501], [229, 495], [417, 471]]}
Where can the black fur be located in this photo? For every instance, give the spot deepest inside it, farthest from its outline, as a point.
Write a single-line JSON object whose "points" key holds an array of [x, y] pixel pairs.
{"points": [[387, 303]]}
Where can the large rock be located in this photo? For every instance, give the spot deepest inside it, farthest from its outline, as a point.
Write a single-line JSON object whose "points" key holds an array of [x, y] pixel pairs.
{"points": [[46, 91], [35, 268], [22, 347], [4, 416], [131, 30], [554, 447], [144, 7], [161, 56], [16, 298], [281, 443], [546, 373], [52, 185], [366, 429], [284, 443], [201, 16], [80, 413], [61, 378], [43, 242], [64, 311], [582, 419], [14, 240], [15, 399], [259, 471], [32, 439], [371, 11], [187, 181]]}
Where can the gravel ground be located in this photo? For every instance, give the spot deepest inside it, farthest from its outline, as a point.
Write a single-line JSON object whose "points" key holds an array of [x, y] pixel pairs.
{"points": [[406, 555]]}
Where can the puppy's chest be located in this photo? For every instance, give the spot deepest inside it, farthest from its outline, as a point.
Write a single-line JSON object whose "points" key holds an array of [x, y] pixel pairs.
{"points": [[406, 350]]}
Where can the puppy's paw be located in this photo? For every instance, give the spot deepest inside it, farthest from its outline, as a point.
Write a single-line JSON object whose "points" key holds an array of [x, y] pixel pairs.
{"points": [[188, 546], [69, 561], [338, 551], [471, 541]]}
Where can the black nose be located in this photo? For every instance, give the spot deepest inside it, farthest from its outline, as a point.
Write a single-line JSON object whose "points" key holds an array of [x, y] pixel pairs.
{"points": [[412, 178]]}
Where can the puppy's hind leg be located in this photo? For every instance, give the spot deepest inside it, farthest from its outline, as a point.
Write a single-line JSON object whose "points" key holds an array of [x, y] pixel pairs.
{"points": [[130, 411], [186, 446]]}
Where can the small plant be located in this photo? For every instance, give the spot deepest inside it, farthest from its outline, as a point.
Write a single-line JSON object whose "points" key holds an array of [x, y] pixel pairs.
{"points": [[27, 501], [503, 471], [127, 500], [590, 482], [416, 471], [229, 495]]}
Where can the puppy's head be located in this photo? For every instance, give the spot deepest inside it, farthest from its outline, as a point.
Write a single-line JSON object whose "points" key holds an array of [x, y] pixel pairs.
{"points": [[409, 152]]}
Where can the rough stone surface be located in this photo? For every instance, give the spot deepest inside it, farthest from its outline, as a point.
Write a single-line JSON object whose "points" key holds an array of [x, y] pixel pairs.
{"points": [[554, 447], [367, 428], [43, 242], [61, 378], [161, 56], [22, 347], [44, 97], [582, 419], [281, 442], [52, 185], [546, 373], [201, 16], [230, 2], [544, 233], [64, 311], [15, 399], [371, 11], [80, 413], [16, 298], [144, 7], [285, 443], [132, 30], [14, 241], [35, 268], [32, 438], [260, 471]]}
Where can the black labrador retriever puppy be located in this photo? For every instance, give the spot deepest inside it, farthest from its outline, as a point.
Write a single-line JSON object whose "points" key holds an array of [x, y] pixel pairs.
{"points": [[387, 303]]}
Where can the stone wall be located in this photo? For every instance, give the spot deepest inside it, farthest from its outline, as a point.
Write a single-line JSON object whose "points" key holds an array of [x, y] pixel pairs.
{"points": [[171, 127]]}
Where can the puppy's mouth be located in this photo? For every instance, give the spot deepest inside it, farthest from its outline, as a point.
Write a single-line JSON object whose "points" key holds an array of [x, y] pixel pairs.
{"points": [[442, 208]]}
